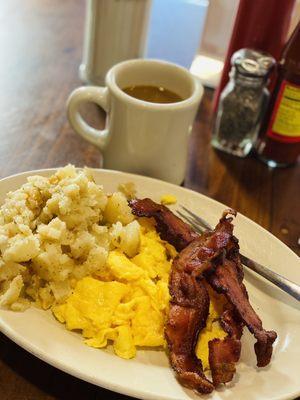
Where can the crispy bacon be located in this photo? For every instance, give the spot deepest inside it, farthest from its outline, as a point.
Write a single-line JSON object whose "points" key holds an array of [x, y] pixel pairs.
{"points": [[189, 306], [188, 312], [224, 280], [231, 323], [171, 228], [227, 278], [200, 256], [215, 256], [225, 353]]}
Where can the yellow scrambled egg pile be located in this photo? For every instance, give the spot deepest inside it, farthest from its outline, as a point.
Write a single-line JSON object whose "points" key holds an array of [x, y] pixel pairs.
{"points": [[128, 303]]}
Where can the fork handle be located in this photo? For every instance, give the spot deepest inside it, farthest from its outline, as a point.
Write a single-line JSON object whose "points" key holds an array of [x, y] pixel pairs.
{"points": [[285, 284]]}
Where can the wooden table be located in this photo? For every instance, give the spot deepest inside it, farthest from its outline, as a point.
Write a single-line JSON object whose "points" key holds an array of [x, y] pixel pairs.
{"points": [[41, 44]]}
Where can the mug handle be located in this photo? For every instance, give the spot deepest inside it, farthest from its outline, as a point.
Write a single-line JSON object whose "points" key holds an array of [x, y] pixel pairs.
{"points": [[94, 94]]}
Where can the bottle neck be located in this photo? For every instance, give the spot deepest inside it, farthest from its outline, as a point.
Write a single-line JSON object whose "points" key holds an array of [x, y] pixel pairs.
{"points": [[292, 44], [290, 60]]}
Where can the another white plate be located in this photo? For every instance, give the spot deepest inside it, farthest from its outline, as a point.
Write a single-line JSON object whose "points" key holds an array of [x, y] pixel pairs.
{"points": [[149, 376]]}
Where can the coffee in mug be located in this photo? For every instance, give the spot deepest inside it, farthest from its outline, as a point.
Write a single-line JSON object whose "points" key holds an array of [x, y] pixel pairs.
{"points": [[154, 94]]}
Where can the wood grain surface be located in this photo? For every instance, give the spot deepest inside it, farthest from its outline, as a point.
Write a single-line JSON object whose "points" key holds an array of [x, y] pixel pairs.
{"points": [[41, 46]]}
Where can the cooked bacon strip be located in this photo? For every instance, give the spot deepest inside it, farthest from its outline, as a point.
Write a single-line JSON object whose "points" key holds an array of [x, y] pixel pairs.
{"points": [[225, 353], [216, 255], [188, 312], [231, 323], [171, 228], [224, 280], [189, 306]]}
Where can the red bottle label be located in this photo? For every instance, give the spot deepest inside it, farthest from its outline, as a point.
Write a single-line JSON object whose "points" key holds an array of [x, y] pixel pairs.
{"points": [[284, 124]]}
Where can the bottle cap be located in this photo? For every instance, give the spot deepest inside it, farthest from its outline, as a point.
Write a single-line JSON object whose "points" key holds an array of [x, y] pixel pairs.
{"points": [[254, 63]]}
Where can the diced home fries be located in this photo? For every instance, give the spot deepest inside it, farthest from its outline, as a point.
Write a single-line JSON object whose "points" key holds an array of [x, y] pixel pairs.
{"points": [[55, 231]]}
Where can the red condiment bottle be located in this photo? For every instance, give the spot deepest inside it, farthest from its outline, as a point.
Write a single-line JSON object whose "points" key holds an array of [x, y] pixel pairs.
{"points": [[279, 143], [260, 25]]}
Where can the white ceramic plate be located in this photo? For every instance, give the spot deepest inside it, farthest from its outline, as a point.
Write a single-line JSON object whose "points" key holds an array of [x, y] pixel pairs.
{"points": [[148, 376]]}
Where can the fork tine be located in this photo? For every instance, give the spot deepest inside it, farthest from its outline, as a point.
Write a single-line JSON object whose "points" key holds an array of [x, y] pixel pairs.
{"points": [[199, 220], [197, 228]]}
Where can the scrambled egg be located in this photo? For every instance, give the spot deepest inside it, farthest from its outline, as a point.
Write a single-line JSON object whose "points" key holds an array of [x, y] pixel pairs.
{"points": [[167, 199], [212, 329], [127, 303]]}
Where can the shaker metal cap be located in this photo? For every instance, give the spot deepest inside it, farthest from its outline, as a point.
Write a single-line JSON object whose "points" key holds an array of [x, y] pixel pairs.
{"points": [[251, 62]]}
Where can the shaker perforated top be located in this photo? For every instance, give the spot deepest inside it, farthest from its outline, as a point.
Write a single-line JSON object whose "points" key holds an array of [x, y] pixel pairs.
{"points": [[253, 63]]}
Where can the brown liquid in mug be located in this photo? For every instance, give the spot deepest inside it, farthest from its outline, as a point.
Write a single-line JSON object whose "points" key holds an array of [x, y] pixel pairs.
{"points": [[153, 94]]}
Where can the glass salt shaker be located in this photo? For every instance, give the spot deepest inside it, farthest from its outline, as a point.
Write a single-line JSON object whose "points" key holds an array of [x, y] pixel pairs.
{"points": [[243, 102]]}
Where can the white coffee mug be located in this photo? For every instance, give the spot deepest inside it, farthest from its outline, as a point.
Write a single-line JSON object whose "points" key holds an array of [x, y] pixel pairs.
{"points": [[140, 136]]}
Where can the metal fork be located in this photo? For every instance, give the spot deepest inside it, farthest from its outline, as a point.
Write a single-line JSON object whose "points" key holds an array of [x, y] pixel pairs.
{"points": [[200, 225]]}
